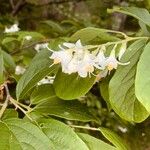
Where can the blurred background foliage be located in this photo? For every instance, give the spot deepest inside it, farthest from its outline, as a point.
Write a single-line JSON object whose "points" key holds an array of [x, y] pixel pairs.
{"points": [[57, 20]]}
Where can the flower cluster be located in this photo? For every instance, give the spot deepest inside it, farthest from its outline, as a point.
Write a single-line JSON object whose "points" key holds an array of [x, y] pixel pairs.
{"points": [[76, 58]]}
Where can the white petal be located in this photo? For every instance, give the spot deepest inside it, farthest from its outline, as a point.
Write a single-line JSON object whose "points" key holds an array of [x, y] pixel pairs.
{"points": [[83, 73], [122, 50], [78, 44], [69, 45], [124, 64]]}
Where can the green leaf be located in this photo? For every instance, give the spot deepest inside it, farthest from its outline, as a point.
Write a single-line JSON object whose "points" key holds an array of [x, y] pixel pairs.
{"points": [[89, 34], [8, 61], [35, 35], [104, 90], [122, 86], [61, 135], [42, 93], [72, 86], [95, 144], [8, 40], [138, 13], [55, 27], [28, 135], [9, 113], [142, 82], [114, 139], [71, 110], [38, 69], [8, 140]]}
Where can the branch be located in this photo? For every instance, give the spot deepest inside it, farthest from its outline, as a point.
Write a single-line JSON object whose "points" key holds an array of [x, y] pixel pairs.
{"points": [[18, 7], [84, 127], [58, 2], [12, 4], [6, 101]]}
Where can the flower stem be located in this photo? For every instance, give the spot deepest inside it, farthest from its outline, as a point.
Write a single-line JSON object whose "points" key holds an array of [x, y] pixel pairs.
{"points": [[83, 127], [15, 103], [116, 42]]}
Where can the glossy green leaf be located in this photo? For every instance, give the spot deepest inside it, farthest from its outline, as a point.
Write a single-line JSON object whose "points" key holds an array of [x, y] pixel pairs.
{"points": [[28, 135], [55, 27], [72, 86], [38, 69], [94, 143], [35, 36], [8, 61], [71, 110], [138, 13], [114, 139], [122, 86], [9, 113], [142, 82], [42, 93], [90, 33], [8, 140], [62, 136]]}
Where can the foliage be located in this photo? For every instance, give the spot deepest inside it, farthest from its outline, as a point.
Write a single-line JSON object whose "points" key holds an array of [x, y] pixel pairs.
{"points": [[47, 104]]}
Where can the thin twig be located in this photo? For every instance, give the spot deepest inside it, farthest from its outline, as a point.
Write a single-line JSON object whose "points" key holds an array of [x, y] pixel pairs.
{"points": [[29, 46], [6, 101], [17, 106], [83, 127]]}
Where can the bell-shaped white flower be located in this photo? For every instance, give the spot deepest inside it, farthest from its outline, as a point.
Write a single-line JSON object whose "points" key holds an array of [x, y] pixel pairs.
{"points": [[86, 65], [28, 37], [122, 50], [71, 67], [101, 59], [19, 70], [38, 47], [12, 29], [63, 57], [112, 62]]}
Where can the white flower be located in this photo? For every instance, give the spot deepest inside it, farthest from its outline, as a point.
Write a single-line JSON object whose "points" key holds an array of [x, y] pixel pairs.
{"points": [[101, 59], [63, 57], [38, 47], [122, 50], [12, 29], [68, 56], [47, 80], [86, 65], [112, 62], [19, 70], [28, 37]]}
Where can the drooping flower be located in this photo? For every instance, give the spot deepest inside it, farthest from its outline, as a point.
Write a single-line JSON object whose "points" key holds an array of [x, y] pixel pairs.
{"points": [[38, 47], [12, 29], [19, 70], [112, 62], [28, 37], [101, 59], [86, 65]]}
